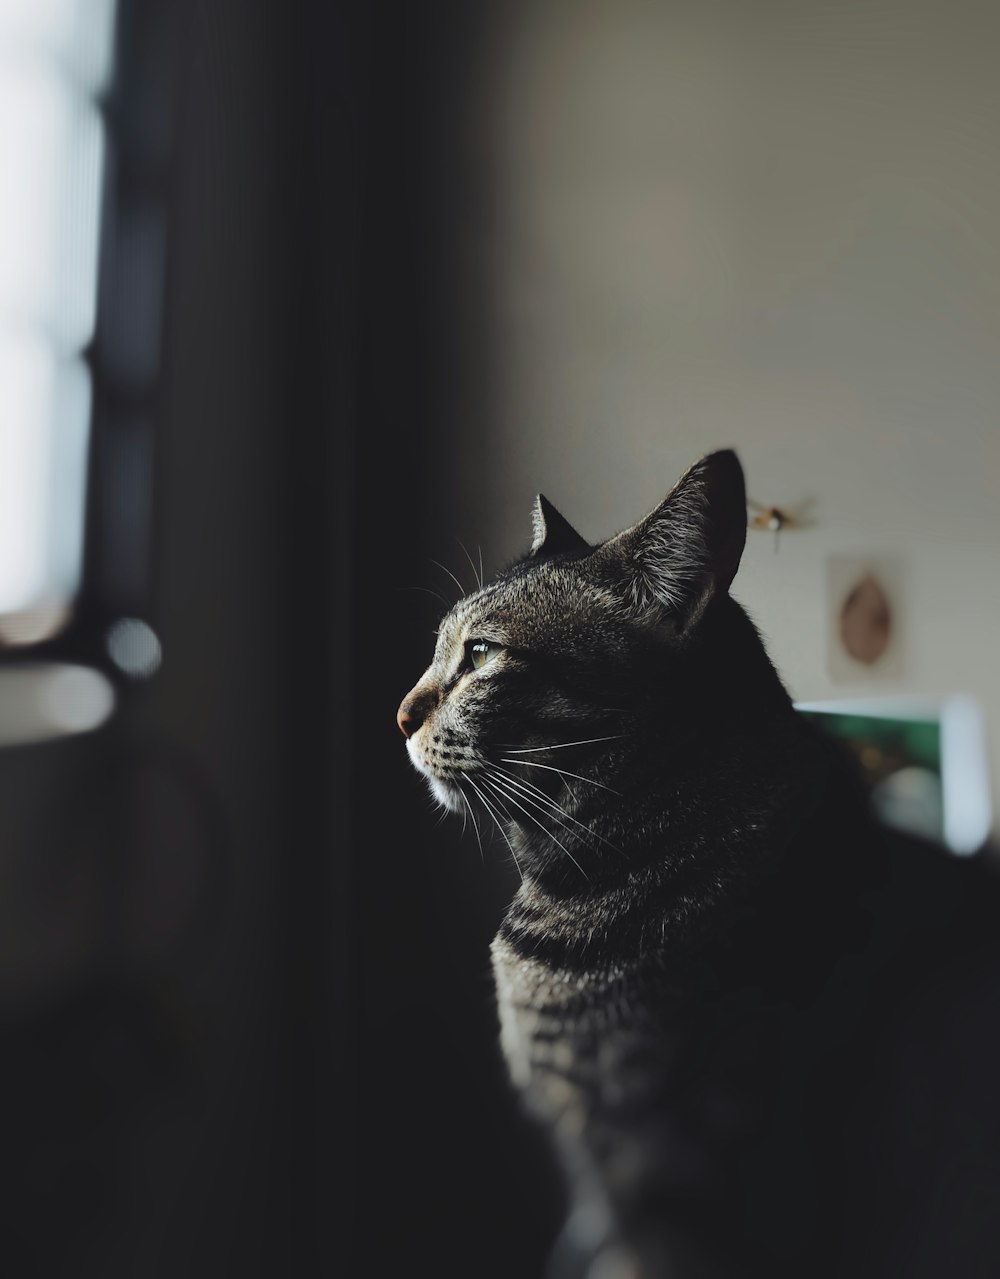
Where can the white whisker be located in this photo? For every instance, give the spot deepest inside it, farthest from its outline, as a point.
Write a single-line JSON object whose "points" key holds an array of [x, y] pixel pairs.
{"points": [[549, 808], [499, 825], [478, 576], [461, 589], [529, 789], [426, 590], [530, 763], [475, 823], [559, 746], [531, 817]]}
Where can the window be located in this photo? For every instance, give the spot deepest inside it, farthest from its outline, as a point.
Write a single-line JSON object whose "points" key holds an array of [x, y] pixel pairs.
{"points": [[54, 65]]}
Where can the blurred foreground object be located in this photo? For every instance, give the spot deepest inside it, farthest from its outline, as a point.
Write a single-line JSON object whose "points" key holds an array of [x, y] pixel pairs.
{"points": [[51, 699]]}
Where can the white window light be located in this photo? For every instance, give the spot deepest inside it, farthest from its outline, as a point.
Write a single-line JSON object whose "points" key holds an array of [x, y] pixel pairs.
{"points": [[54, 58], [51, 162], [77, 35]]}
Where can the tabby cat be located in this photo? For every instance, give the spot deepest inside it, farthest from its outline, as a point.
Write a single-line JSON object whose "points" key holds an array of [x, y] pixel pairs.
{"points": [[763, 1032]]}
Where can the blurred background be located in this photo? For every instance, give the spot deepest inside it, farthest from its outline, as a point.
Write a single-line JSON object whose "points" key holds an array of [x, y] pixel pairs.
{"points": [[296, 295]]}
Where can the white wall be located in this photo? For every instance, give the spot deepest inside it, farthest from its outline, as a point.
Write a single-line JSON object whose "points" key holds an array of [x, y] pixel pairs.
{"points": [[772, 226]]}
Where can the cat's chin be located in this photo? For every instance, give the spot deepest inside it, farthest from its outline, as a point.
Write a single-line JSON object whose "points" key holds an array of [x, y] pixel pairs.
{"points": [[447, 794]]}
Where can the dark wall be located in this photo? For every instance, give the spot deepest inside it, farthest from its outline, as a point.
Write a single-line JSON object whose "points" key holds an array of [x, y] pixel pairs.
{"points": [[246, 1010]]}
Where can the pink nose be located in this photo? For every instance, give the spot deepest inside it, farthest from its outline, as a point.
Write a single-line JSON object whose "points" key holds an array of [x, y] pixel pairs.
{"points": [[416, 706], [409, 718]]}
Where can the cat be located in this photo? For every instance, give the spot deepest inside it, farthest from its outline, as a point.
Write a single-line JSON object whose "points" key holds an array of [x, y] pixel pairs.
{"points": [[763, 1031]]}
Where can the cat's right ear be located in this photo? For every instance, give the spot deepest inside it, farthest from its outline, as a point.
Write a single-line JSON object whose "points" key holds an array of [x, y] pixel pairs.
{"points": [[551, 534], [688, 549]]}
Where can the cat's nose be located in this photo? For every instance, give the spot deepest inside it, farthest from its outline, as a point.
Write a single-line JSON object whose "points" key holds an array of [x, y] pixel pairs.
{"points": [[409, 717], [416, 706]]}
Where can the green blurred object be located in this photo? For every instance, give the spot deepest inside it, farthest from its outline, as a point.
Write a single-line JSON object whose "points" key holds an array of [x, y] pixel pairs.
{"points": [[883, 744], [926, 760], [901, 761]]}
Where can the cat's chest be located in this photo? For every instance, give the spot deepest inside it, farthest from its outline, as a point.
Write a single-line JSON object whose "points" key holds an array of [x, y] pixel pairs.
{"points": [[557, 1026], [529, 999]]}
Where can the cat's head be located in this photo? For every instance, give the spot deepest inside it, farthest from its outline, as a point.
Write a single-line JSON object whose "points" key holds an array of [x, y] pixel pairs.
{"points": [[573, 637]]}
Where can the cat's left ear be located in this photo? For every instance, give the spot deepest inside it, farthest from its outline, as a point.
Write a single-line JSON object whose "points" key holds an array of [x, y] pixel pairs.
{"points": [[688, 549], [551, 534]]}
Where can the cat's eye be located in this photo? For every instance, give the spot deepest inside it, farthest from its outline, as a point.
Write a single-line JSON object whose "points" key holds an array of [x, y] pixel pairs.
{"points": [[481, 652]]}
